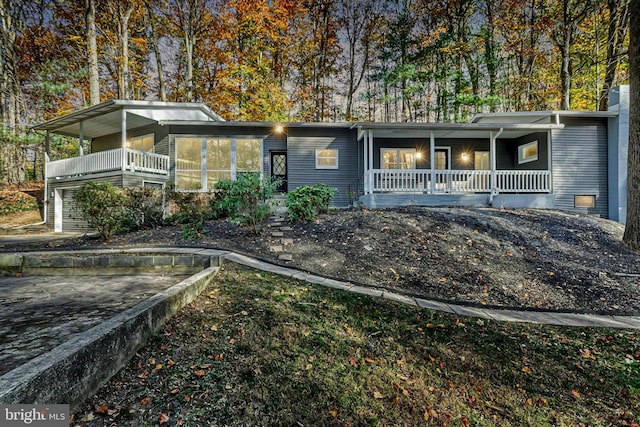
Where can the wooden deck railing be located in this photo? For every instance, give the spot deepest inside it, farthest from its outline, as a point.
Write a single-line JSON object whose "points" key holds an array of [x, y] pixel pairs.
{"points": [[110, 160], [458, 181]]}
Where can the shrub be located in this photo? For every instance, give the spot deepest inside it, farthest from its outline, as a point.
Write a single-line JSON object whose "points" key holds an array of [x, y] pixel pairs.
{"points": [[306, 202], [244, 200], [144, 208], [193, 211], [102, 205]]}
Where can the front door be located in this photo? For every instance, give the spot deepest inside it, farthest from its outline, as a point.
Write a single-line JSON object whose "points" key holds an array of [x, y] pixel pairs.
{"points": [[279, 169]]}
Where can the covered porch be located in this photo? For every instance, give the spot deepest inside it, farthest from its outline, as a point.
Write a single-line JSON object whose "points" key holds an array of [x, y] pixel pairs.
{"points": [[456, 164]]}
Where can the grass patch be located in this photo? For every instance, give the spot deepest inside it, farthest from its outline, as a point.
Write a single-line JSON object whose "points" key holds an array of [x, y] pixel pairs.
{"points": [[258, 349]]}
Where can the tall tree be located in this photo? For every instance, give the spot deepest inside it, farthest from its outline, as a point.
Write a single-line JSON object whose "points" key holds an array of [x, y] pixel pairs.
{"points": [[572, 13], [152, 19], [632, 229], [618, 26], [92, 52]]}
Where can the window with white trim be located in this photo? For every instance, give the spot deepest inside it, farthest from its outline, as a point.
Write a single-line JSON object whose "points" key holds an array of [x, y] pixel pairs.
{"points": [[528, 152], [142, 143], [203, 161], [326, 158], [398, 158]]}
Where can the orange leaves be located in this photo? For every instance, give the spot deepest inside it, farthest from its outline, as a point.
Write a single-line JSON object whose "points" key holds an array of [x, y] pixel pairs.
{"points": [[163, 418], [199, 372], [586, 353]]}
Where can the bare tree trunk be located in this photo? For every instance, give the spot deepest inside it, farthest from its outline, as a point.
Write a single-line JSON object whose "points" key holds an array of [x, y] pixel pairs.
{"points": [[156, 50], [616, 34], [92, 50], [123, 29], [632, 229]]}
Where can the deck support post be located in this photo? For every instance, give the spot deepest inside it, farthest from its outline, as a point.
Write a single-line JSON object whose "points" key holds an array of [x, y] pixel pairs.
{"points": [[370, 161], [432, 160], [123, 131]]}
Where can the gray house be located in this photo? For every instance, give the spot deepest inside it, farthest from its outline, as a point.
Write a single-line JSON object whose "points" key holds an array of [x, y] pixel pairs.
{"points": [[553, 159]]}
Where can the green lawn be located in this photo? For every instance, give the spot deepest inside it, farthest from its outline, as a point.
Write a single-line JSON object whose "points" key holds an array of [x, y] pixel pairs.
{"points": [[258, 349]]}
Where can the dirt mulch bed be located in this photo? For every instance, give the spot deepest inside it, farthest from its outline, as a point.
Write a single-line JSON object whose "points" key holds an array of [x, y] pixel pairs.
{"points": [[532, 259]]}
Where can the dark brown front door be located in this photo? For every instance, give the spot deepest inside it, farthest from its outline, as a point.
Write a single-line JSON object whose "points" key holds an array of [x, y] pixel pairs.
{"points": [[279, 169]]}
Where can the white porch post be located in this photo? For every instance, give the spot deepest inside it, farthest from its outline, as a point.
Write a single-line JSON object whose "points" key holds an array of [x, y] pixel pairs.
{"points": [[549, 162], [81, 137], [365, 166], [492, 156], [123, 131], [371, 183], [45, 174], [432, 160], [492, 161]]}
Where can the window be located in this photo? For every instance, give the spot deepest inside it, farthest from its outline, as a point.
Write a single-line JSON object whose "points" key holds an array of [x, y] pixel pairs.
{"points": [[141, 143], [203, 161], [481, 160], [398, 158], [528, 152], [189, 163], [326, 158], [218, 160], [585, 201]]}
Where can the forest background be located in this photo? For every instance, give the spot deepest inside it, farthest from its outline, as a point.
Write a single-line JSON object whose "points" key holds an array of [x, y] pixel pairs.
{"points": [[302, 60]]}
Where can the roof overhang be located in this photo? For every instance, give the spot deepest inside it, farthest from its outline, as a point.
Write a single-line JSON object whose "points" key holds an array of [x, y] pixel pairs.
{"points": [[552, 116], [452, 130], [106, 118]]}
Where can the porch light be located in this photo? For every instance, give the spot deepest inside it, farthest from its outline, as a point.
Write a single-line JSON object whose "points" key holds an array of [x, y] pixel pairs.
{"points": [[465, 157], [418, 155], [279, 129]]}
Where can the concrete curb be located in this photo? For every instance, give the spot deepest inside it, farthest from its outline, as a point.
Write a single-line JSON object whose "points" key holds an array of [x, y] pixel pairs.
{"points": [[506, 315], [76, 369]]}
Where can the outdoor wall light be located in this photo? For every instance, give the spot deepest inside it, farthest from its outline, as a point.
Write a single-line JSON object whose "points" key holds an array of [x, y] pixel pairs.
{"points": [[465, 157], [279, 129], [418, 155]]}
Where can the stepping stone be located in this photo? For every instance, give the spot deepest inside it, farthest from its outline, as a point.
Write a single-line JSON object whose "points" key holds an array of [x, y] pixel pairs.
{"points": [[287, 241], [285, 257], [275, 224], [276, 249], [286, 228], [277, 234]]}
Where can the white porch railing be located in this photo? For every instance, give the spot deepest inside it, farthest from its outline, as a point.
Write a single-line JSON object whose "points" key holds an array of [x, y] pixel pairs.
{"points": [[117, 159], [458, 181]]}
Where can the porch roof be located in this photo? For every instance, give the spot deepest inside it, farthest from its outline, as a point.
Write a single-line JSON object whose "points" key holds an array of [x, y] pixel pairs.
{"points": [[452, 130], [106, 118]]}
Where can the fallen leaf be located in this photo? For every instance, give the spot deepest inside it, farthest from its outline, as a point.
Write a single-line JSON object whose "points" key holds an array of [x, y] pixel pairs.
{"points": [[526, 369], [369, 360], [171, 363], [586, 353], [103, 409], [333, 412], [219, 356], [143, 374], [187, 398], [174, 391], [163, 418], [232, 341], [377, 395], [159, 366], [199, 372], [575, 393], [244, 313], [145, 401]]}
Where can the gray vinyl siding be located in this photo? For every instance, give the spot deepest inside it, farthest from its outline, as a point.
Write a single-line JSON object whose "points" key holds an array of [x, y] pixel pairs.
{"points": [[579, 153], [302, 167], [110, 142]]}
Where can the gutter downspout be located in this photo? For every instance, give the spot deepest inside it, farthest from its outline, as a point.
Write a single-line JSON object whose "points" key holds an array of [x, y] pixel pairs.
{"points": [[492, 148]]}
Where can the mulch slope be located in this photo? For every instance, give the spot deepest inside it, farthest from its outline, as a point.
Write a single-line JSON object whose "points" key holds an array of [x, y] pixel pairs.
{"points": [[532, 259]]}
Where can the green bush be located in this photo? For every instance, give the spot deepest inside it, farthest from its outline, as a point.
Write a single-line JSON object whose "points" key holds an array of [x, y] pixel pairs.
{"points": [[306, 202], [244, 201], [144, 208], [193, 211], [102, 205]]}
